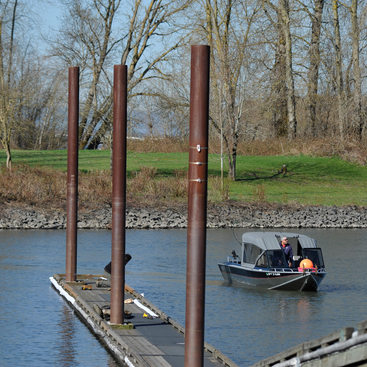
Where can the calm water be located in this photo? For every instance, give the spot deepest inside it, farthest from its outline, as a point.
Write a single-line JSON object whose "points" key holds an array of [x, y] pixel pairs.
{"points": [[37, 328]]}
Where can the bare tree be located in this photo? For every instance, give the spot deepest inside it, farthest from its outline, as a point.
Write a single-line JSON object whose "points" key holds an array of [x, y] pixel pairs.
{"points": [[8, 12], [348, 74], [227, 30], [288, 48], [277, 99], [94, 40], [314, 60], [283, 66], [338, 68], [171, 96], [291, 99], [359, 122], [86, 40], [50, 105]]}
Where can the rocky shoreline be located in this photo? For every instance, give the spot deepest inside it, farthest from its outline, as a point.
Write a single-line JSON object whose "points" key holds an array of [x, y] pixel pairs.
{"points": [[219, 216]]}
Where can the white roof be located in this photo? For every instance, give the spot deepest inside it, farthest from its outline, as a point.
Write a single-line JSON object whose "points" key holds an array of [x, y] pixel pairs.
{"points": [[270, 240]]}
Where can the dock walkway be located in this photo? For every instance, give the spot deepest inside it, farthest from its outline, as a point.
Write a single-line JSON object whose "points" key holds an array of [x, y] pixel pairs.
{"points": [[152, 339], [345, 347]]}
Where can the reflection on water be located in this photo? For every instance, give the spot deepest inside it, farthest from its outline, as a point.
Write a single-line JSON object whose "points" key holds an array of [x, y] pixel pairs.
{"points": [[301, 307], [39, 329], [304, 309], [66, 350]]}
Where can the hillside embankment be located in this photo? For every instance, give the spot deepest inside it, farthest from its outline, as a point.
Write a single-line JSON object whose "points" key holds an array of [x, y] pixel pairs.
{"points": [[226, 215]]}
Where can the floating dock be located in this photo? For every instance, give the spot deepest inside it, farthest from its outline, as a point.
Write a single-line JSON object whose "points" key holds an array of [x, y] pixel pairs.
{"points": [[346, 347], [148, 338]]}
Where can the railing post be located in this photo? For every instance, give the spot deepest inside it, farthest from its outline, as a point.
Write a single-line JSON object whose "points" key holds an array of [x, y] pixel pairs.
{"points": [[197, 206], [72, 175], [118, 193]]}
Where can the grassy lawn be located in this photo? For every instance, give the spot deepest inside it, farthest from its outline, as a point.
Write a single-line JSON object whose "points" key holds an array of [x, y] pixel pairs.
{"points": [[92, 160], [309, 180]]}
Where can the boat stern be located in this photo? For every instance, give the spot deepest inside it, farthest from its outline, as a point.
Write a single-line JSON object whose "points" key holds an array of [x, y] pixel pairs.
{"points": [[226, 273]]}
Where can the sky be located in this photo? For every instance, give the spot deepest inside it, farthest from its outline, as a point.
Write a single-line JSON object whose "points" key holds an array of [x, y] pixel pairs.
{"points": [[49, 13]]}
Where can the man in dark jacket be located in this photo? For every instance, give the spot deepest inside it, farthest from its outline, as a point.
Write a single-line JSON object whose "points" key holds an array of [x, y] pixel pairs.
{"points": [[288, 252]]}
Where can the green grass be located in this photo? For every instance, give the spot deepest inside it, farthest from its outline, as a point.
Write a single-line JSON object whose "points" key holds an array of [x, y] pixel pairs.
{"points": [[92, 160], [309, 180]]}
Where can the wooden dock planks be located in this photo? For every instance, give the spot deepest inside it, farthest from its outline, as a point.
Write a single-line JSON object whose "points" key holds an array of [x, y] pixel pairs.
{"points": [[154, 342]]}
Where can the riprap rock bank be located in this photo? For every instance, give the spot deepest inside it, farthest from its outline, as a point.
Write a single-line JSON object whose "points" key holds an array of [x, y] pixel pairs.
{"points": [[219, 216]]}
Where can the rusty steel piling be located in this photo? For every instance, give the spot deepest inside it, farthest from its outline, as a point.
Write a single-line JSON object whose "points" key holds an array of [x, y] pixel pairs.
{"points": [[72, 175], [197, 206], [118, 193]]}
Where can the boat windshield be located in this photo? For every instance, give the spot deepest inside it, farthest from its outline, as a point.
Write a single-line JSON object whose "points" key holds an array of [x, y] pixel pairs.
{"points": [[262, 262], [276, 259], [250, 253], [315, 255]]}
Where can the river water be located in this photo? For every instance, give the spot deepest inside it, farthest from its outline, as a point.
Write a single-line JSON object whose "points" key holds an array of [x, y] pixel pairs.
{"points": [[37, 328]]}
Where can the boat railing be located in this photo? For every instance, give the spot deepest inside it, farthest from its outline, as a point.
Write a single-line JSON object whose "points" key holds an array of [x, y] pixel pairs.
{"points": [[295, 270], [234, 259], [284, 270]]}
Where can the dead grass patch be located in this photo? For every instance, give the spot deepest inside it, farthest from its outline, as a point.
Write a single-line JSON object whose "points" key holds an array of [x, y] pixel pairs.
{"points": [[350, 149], [46, 188], [32, 186], [158, 145]]}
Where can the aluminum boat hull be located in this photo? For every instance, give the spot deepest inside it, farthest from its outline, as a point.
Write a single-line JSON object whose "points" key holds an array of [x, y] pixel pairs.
{"points": [[277, 279]]}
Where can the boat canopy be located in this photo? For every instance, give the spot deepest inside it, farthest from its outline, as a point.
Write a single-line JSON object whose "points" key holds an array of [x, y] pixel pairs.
{"points": [[271, 240]]}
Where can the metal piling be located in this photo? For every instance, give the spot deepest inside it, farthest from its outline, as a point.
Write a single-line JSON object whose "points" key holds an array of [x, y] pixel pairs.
{"points": [[197, 206], [118, 193], [72, 175]]}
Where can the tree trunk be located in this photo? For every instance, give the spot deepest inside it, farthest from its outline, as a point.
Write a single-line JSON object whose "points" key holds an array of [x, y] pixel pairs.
{"points": [[357, 93], [234, 165], [8, 156], [279, 89], [313, 74], [338, 67], [291, 99], [7, 105]]}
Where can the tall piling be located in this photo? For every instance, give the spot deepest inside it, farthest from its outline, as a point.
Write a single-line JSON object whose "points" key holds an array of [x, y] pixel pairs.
{"points": [[118, 193], [197, 206], [72, 175]]}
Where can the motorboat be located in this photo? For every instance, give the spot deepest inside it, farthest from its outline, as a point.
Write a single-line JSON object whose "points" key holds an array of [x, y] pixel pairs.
{"points": [[262, 262]]}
